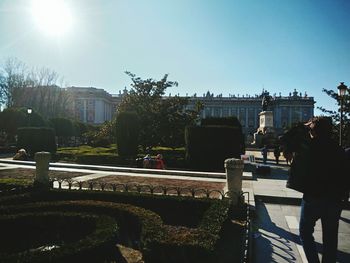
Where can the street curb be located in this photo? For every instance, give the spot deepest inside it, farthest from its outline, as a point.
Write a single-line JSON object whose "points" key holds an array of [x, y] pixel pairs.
{"points": [[129, 170]]}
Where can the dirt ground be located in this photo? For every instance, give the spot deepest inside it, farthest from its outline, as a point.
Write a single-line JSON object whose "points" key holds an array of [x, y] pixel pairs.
{"points": [[158, 185], [22, 173]]}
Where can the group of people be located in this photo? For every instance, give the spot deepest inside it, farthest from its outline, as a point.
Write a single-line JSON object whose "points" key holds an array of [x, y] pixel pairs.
{"points": [[276, 153], [153, 163]]}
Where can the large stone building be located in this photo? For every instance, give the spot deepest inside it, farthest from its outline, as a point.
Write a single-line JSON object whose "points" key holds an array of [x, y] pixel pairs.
{"points": [[91, 105], [286, 109], [96, 106]]}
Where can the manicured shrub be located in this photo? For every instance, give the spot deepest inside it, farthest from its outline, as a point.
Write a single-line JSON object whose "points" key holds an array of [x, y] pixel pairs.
{"points": [[231, 121], [226, 121], [190, 233], [56, 237], [207, 147], [182, 244], [105, 158], [36, 139], [127, 133], [137, 226]]}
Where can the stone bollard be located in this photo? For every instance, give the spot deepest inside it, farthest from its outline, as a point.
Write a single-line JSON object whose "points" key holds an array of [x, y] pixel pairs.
{"points": [[234, 173], [42, 170]]}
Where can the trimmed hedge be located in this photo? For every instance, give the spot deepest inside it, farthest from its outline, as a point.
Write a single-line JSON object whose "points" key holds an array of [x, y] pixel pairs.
{"points": [[127, 133], [173, 210], [159, 243], [137, 226], [36, 139], [26, 237], [182, 244], [207, 147], [226, 121]]}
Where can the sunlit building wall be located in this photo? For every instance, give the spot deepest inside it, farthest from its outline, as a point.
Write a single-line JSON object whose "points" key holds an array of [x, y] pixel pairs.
{"points": [[91, 105]]}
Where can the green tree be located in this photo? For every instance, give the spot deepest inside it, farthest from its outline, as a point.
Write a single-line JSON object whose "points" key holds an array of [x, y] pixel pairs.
{"points": [[162, 120], [36, 88], [336, 114], [104, 135]]}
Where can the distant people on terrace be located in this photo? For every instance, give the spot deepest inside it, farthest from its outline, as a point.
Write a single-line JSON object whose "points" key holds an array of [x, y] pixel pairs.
{"points": [[153, 163], [277, 153], [264, 151]]}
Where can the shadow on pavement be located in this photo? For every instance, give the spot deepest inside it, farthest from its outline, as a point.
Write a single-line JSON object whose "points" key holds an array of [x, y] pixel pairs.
{"points": [[276, 243]]}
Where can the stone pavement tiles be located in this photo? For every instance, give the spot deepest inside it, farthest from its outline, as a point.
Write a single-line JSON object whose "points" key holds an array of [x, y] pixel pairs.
{"points": [[277, 238]]}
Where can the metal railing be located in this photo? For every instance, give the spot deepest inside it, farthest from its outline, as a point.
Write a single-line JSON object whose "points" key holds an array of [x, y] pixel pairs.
{"points": [[138, 188]]}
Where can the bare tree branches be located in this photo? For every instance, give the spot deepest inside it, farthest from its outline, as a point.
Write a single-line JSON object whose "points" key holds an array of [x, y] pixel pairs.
{"points": [[36, 88]]}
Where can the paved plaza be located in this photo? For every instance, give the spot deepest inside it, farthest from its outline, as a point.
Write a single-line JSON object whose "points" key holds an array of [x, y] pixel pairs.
{"points": [[277, 210]]}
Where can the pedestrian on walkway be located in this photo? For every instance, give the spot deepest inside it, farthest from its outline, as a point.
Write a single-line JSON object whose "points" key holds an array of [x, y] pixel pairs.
{"points": [[264, 153], [325, 186], [160, 162], [277, 153]]}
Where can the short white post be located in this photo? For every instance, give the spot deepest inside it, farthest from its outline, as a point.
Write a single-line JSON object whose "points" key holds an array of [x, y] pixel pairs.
{"points": [[42, 169], [234, 173]]}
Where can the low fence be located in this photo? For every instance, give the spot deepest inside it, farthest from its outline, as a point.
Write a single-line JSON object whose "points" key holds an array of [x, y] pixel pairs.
{"points": [[138, 188]]}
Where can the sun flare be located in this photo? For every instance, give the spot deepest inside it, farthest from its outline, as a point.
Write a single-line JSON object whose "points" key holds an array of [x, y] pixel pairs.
{"points": [[53, 17]]}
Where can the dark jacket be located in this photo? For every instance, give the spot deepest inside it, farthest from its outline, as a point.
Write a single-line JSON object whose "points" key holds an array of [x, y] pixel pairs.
{"points": [[320, 170]]}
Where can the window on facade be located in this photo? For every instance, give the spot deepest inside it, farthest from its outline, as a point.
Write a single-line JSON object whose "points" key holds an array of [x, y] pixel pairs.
{"points": [[225, 112], [216, 112], [251, 117], [295, 115], [207, 112], [284, 116], [233, 112], [306, 114], [242, 115]]}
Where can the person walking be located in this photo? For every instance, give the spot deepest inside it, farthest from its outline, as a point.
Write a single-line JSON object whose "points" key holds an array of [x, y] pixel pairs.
{"points": [[264, 153], [277, 153], [325, 186]]}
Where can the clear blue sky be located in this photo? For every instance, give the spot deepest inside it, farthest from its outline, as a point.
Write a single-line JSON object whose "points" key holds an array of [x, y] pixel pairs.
{"points": [[228, 47]]}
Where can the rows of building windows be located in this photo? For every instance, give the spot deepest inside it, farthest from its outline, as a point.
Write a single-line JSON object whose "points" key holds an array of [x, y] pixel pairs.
{"points": [[95, 106]]}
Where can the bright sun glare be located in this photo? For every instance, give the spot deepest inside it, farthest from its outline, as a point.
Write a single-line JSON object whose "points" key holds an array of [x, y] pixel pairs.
{"points": [[53, 17]]}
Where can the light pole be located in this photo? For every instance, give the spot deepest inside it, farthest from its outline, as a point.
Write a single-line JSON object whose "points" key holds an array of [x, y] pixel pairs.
{"points": [[341, 92], [29, 111]]}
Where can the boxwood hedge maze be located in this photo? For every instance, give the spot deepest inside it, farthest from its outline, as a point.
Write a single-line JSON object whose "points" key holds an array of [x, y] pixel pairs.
{"points": [[88, 223]]}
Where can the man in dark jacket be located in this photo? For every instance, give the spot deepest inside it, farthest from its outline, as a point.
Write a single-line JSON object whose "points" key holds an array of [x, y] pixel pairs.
{"points": [[326, 187]]}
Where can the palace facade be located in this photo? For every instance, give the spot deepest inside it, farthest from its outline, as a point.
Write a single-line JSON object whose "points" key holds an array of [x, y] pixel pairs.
{"points": [[95, 106], [91, 105]]}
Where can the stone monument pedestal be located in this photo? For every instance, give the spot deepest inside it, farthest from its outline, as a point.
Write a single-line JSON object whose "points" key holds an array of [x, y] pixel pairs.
{"points": [[266, 132], [234, 174], [42, 180]]}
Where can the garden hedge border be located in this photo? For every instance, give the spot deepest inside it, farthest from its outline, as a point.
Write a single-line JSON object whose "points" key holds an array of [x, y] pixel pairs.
{"points": [[164, 205], [144, 224], [159, 242], [97, 244]]}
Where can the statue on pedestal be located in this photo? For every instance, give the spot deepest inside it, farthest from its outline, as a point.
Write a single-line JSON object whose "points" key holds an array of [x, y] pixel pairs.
{"points": [[265, 133], [265, 102]]}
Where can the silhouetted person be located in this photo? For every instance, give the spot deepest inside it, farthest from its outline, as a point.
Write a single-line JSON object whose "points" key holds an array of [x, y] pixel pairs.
{"points": [[277, 153], [264, 153], [325, 186]]}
